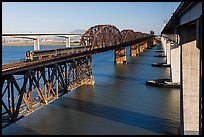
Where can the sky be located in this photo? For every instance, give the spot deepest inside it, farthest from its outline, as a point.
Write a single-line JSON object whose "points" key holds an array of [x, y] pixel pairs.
{"points": [[64, 17]]}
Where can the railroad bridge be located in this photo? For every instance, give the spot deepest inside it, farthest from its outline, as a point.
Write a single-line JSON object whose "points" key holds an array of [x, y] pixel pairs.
{"points": [[29, 85]]}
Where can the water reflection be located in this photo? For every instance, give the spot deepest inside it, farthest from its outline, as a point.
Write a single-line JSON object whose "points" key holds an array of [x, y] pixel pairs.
{"points": [[136, 119]]}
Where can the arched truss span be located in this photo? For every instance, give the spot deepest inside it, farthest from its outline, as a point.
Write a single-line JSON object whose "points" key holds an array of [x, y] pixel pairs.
{"points": [[138, 35], [128, 35], [100, 36]]}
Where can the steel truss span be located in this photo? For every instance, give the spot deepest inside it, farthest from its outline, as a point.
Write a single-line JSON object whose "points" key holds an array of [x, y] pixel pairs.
{"points": [[100, 36], [26, 92]]}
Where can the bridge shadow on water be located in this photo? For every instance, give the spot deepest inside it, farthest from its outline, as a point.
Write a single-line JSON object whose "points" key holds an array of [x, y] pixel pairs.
{"points": [[136, 119]]}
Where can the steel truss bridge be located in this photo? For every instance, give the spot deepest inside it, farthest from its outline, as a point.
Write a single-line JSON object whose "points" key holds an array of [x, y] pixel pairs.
{"points": [[30, 85]]}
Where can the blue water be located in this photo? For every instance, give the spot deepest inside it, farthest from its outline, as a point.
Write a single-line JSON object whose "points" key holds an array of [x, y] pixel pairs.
{"points": [[119, 103], [12, 54]]}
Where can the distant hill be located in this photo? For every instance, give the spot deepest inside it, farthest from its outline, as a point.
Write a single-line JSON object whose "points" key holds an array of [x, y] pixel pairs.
{"points": [[81, 31]]}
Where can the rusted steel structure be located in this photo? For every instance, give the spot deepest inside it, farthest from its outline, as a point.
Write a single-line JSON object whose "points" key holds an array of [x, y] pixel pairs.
{"points": [[28, 86], [101, 36], [120, 53], [40, 85]]}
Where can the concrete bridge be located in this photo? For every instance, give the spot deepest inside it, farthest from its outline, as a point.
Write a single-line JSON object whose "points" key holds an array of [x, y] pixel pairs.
{"points": [[182, 44], [36, 36], [46, 79]]}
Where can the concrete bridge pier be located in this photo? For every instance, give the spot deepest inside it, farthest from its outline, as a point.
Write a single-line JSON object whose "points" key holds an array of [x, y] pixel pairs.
{"points": [[134, 50], [120, 56], [190, 78], [138, 49], [67, 41], [164, 42], [175, 63], [36, 44], [155, 42], [143, 46], [150, 44], [168, 52]]}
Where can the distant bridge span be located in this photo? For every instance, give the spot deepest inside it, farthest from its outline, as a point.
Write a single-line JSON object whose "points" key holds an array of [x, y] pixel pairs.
{"points": [[36, 36]]}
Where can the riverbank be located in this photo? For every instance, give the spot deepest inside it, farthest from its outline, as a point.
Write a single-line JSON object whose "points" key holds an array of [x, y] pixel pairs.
{"points": [[47, 43]]}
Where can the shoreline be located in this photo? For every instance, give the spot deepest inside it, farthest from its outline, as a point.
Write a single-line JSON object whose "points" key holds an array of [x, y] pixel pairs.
{"points": [[41, 44]]}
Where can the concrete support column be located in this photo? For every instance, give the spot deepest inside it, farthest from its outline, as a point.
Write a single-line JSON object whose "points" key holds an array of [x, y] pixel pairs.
{"points": [[36, 44], [68, 42], [154, 42], [175, 63], [149, 44], [190, 87], [168, 52], [133, 50], [190, 79], [145, 45], [120, 56], [163, 40], [138, 49]]}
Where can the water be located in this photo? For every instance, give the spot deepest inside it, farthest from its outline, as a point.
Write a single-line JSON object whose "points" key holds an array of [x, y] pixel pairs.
{"points": [[12, 54], [119, 103]]}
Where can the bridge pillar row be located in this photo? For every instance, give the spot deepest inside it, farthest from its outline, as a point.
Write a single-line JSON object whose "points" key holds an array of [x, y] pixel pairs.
{"points": [[68, 42], [36, 44], [120, 56]]}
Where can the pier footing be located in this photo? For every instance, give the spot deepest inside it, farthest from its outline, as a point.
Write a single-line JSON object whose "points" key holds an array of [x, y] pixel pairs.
{"points": [[166, 83], [161, 65], [160, 55]]}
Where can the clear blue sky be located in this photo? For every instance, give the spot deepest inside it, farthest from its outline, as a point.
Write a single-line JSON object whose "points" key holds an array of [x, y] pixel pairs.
{"points": [[63, 17]]}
